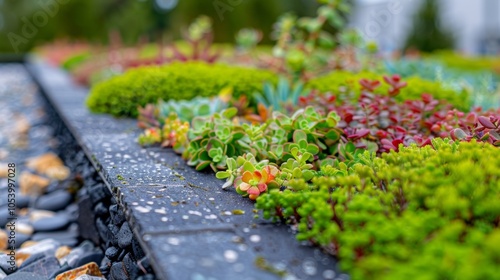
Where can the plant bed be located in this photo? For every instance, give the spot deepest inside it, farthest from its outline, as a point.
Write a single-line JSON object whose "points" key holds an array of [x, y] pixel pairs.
{"points": [[367, 167], [174, 210]]}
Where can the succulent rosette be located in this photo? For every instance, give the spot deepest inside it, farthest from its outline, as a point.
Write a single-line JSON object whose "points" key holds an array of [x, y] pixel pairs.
{"points": [[253, 183]]}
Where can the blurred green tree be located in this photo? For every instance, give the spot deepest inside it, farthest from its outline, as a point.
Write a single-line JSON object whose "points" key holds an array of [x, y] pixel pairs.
{"points": [[27, 23], [427, 34]]}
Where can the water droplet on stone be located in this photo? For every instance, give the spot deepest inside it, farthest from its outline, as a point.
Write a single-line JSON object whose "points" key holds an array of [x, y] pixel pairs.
{"points": [[255, 238], [173, 241], [230, 256], [329, 274], [309, 267]]}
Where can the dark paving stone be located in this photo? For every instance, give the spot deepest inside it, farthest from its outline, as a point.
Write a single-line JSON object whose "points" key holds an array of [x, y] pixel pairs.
{"points": [[99, 193], [125, 236], [86, 220], [100, 210], [84, 249], [31, 259], [21, 238], [55, 223], [22, 201], [104, 231], [112, 253], [4, 216], [137, 249], [147, 277], [130, 265], [25, 276], [118, 272], [145, 264], [43, 267], [71, 232], [73, 212], [65, 267], [89, 257], [114, 229], [105, 265], [121, 255], [220, 256], [8, 263], [117, 215], [165, 207], [54, 201]]}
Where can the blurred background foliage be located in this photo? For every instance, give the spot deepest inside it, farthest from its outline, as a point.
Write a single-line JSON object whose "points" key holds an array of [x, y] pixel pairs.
{"points": [[93, 20], [427, 34]]}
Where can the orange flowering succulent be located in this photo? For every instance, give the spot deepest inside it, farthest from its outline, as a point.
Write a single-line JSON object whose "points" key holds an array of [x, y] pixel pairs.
{"points": [[253, 183]]}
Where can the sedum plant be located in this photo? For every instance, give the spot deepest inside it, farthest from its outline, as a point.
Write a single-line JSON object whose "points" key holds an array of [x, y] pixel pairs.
{"points": [[249, 177], [199, 36], [214, 139], [173, 133], [186, 110], [400, 215], [346, 87], [303, 45], [284, 97], [121, 95]]}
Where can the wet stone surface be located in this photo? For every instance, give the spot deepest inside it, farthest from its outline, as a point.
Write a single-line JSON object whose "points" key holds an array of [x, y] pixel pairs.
{"points": [[56, 190], [45, 186], [185, 223]]}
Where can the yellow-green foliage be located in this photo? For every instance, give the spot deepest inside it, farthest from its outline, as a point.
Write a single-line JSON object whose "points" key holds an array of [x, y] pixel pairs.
{"points": [[347, 82], [469, 63], [121, 95], [421, 213]]}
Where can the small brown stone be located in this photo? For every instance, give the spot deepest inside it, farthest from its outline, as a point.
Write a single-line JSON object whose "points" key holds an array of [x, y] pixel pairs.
{"points": [[23, 212], [3, 240], [50, 165], [62, 252], [58, 172], [21, 257], [40, 214], [31, 184], [28, 244], [91, 269], [22, 125], [3, 154], [24, 228], [4, 170]]}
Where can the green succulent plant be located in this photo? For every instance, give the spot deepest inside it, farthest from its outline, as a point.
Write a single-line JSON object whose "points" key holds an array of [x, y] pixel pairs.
{"points": [[121, 95], [188, 109], [284, 97], [214, 139], [400, 215]]}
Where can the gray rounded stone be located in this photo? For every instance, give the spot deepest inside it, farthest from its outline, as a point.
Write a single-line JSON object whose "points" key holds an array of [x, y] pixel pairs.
{"points": [[54, 201], [24, 276], [59, 221], [124, 236]]}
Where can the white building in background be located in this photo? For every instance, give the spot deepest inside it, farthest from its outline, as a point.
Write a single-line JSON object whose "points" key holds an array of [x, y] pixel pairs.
{"points": [[475, 23]]}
